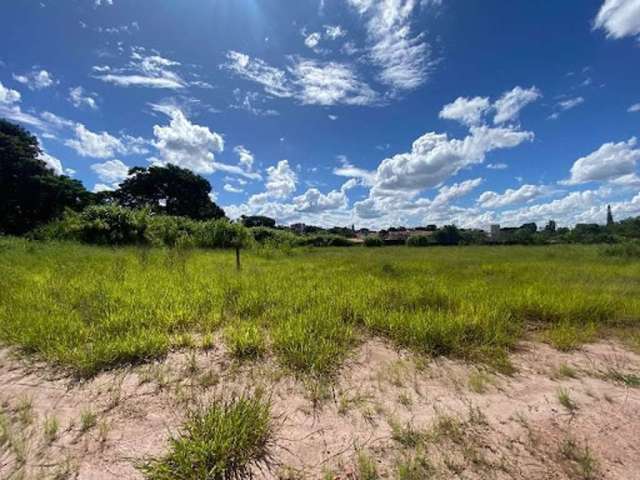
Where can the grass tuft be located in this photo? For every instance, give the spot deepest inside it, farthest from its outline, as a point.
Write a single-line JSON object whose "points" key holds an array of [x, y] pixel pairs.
{"points": [[222, 441]]}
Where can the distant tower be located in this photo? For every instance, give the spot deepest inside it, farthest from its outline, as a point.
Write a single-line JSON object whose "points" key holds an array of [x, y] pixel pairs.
{"points": [[609, 216]]}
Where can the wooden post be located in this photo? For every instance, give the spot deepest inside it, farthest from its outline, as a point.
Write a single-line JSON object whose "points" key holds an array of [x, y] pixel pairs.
{"points": [[237, 258]]}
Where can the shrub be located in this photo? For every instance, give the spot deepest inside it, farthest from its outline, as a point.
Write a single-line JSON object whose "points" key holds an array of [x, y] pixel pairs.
{"points": [[373, 241], [419, 241], [221, 234], [223, 441], [327, 240], [171, 231], [274, 237], [628, 250], [111, 225]]}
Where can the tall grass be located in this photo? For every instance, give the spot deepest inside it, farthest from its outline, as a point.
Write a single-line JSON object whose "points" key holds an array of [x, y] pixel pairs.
{"points": [[92, 308]]}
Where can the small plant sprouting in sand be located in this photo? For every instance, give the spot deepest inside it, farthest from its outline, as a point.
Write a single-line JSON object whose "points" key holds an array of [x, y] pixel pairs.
{"points": [[88, 420], [50, 429], [585, 463], [564, 397], [366, 467]]}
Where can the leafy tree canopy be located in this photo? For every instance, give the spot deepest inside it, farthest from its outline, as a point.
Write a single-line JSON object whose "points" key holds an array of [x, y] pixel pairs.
{"points": [[31, 194], [169, 190]]}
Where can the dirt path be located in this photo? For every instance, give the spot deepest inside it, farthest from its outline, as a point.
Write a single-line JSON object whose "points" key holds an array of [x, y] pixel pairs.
{"points": [[561, 416]]}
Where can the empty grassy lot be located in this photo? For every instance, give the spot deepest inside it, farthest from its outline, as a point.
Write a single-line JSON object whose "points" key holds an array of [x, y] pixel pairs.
{"points": [[91, 308]]}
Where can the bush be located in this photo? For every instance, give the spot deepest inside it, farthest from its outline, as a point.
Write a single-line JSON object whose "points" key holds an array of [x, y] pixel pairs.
{"points": [[327, 240], [274, 237], [101, 225], [373, 241], [628, 250], [222, 234], [419, 241], [171, 231]]}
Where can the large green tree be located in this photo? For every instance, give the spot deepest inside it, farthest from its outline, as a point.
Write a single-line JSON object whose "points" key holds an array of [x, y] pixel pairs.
{"points": [[31, 194], [169, 190]]}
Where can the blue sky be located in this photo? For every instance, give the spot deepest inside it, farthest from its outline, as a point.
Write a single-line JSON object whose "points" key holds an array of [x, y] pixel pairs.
{"points": [[340, 112]]}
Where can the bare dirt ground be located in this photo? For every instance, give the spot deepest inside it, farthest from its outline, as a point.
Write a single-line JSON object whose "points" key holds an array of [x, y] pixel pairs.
{"points": [[560, 416]]}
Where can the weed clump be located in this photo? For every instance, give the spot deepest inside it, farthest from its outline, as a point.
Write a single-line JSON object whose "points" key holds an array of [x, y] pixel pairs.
{"points": [[222, 441]]}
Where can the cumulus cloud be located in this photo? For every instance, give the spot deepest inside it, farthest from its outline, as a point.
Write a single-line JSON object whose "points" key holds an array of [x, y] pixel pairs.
{"points": [[36, 79], [468, 111], [607, 163], [434, 157], [53, 163], [509, 105], [245, 157], [634, 108], [8, 96], [619, 18], [111, 172], [471, 111], [511, 196], [458, 190], [79, 98], [314, 201], [186, 144], [97, 145]]}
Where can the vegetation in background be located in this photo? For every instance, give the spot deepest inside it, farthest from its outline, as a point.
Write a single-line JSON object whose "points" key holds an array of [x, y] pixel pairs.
{"points": [[92, 308], [222, 441], [31, 194]]}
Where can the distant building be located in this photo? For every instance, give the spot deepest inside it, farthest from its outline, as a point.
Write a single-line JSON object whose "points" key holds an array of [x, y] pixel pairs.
{"points": [[298, 228], [494, 232]]}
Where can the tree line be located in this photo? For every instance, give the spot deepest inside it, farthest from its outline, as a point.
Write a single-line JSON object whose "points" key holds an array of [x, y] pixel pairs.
{"points": [[171, 206]]}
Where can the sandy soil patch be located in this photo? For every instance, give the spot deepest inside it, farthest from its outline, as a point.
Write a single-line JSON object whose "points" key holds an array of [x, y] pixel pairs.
{"points": [[560, 416]]}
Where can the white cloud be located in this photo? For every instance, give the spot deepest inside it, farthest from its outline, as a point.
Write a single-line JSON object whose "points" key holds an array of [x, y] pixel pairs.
{"points": [[245, 157], [185, 144], [330, 83], [249, 102], [313, 201], [111, 172], [332, 117], [273, 80], [79, 98], [36, 80], [230, 188], [634, 108], [312, 40], [610, 161], [334, 31], [402, 56], [52, 162], [619, 18], [434, 157], [497, 166], [96, 145], [509, 105], [311, 82], [468, 111], [281, 180], [565, 105], [152, 71], [458, 190], [98, 3], [348, 170], [510, 197], [8, 96]]}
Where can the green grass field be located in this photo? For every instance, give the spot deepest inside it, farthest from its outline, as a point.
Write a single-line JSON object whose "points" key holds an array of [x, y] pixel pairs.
{"points": [[92, 308]]}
